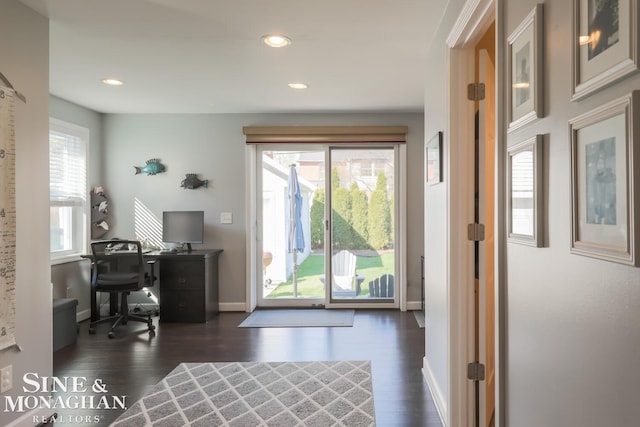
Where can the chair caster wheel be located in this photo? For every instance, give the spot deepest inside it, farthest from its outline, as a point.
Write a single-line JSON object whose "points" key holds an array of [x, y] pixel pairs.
{"points": [[152, 333], [111, 335], [92, 331], [152, 327]]}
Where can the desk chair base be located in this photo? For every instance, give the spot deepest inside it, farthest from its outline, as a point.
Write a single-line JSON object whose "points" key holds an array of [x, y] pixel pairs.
{"points": [[122, 318]]}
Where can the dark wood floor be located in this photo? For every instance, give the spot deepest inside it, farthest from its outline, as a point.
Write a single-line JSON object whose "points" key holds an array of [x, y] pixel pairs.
{"points": [[132, 362]]}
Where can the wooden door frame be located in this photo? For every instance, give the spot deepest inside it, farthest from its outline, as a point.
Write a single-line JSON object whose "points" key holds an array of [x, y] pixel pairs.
{"points": [[473, 21]]}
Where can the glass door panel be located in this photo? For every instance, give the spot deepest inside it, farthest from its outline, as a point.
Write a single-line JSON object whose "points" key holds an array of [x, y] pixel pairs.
{"points": [[292, 238], [362, 224]]}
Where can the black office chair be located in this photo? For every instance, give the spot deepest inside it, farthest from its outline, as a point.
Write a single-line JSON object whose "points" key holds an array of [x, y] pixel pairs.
{"points": [[119, 268]]}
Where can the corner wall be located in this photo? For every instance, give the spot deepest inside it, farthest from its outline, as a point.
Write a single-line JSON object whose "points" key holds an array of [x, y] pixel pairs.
{"points": [[24, 48]]}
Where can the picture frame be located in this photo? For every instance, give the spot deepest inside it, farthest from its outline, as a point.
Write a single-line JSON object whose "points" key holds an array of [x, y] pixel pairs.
{"points": [[525, 192], [604, 182], [605, 44], [525, 70], [433, 154]]}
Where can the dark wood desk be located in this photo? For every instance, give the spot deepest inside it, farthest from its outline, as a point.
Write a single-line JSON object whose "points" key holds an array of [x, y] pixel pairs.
{"points": [[186, 285]]}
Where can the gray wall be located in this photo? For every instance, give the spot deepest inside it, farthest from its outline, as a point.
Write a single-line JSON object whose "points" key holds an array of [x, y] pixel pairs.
{"points": [[24, 49], [572, 333], [573, 336], [213, 146]]}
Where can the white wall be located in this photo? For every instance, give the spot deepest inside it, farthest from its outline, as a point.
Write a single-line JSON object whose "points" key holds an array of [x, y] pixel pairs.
{"points": [[213, 146], [24, 49], [572, 336]]}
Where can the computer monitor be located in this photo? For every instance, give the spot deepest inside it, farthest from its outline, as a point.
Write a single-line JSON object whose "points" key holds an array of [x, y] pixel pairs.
{"points": [[184, 227]]}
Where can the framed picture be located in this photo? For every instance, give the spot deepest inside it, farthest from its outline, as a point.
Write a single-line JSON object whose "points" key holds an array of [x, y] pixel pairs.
{"points": [[524, 54], [524, 192], [434, 159], [605, 182], [605, 43]]}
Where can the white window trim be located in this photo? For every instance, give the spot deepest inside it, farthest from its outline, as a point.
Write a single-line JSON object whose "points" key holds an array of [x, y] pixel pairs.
{"points": [[84, 134]]}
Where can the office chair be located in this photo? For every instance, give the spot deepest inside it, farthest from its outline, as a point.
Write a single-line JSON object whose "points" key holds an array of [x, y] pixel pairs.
{"points": [[119, 268]]}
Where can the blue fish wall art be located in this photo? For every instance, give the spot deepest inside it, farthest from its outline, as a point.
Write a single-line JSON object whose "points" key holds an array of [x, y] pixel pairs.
{"points": [[152, 167]]}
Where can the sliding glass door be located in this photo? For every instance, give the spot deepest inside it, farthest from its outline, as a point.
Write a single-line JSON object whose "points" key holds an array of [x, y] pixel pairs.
{"points": [[362, 226], [309, 195]]}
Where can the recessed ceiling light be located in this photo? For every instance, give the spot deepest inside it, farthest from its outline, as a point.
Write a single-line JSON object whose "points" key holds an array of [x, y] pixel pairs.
{"points": [[276, 40], [298, 86], [112, 82]]}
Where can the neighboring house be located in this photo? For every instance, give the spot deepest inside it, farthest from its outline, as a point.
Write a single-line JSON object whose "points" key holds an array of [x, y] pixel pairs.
{"points": [[276, 216]]}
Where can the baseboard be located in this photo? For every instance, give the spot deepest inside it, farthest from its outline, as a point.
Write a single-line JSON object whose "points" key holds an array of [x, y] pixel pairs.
{"points": [[438, 398], [35, 417], [83, 315], [232, 306], [414, 305]]}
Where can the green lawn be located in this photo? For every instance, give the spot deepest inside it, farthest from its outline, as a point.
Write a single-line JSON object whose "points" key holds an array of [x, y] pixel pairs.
{"points": [[309, 272]]}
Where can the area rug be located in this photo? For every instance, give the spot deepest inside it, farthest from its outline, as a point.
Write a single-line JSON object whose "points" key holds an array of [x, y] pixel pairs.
{"points": [[298, 318], [251, 394], [419, 315]]}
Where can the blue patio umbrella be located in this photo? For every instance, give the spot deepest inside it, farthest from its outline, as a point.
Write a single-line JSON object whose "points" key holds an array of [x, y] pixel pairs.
{"points": [[296, 235]]}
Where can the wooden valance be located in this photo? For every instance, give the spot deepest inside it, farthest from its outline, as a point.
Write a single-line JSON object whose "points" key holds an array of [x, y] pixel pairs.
{"points": [[325, 134]]}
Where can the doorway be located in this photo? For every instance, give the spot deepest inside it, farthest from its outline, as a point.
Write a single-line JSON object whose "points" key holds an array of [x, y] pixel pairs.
{"points": [[484, 283], [326, 211]]}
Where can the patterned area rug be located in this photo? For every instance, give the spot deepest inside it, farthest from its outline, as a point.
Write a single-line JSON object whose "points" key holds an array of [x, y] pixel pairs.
{"points": [[258, 394]]}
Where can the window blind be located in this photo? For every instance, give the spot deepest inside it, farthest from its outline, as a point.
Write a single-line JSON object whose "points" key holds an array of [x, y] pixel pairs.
{"points": [[67, 169], [325, 134]]}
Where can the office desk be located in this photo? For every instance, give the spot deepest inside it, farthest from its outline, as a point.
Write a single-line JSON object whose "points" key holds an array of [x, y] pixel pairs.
{"points": [[186, 285]]}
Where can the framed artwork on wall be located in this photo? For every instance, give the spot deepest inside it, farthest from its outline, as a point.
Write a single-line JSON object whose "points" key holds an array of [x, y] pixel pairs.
{"points": [[604, 181], [434, 159], [524, 58], [524, 192], [605, 43]]}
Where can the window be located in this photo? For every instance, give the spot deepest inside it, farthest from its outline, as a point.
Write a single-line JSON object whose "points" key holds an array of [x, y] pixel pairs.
{"points": [[68, 146]]}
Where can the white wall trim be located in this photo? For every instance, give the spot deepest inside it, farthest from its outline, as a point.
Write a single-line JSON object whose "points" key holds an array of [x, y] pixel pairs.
{"points": [[414, 305], [252, 233], [32, 418], [83, 315], [436, 393], [402, 224], [460, 261], [233, 306], [473, 21]]}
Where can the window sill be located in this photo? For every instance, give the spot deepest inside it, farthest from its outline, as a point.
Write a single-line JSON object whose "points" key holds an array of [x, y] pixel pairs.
{"points": [[66, 259]]}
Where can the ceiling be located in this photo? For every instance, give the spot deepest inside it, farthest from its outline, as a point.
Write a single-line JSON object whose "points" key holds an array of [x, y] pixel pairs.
{"points": [[206, 56]]}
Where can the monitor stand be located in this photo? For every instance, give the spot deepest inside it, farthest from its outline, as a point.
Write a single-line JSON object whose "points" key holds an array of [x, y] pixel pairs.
{"points": [[189, 249]]}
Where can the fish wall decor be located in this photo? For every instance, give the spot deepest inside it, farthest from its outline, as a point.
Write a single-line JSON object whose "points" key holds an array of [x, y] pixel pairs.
{"points": [[152, 167], [191, 182]]}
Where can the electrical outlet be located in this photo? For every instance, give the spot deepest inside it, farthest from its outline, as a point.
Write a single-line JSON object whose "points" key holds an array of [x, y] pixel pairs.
{"points": [[6, 378]]}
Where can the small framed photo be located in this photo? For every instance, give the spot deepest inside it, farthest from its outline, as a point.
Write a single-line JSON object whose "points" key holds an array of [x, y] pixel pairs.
{"points": [[605, 182], [525, 61], [605, 43], [524, 192], [434, 159]]}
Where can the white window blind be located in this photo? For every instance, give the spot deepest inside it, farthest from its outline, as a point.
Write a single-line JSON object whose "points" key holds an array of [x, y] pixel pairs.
{"points": [[68, 145]]}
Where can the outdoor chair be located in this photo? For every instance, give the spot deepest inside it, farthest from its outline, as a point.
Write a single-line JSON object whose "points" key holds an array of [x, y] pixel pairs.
{"points": [[382, 287]]}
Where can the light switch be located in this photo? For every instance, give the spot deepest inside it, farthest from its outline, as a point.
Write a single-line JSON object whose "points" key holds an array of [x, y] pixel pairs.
{"points": [[226, 218]]}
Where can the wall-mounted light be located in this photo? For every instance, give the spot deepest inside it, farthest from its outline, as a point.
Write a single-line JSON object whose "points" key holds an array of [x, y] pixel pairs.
{"points": [[298, 86]]}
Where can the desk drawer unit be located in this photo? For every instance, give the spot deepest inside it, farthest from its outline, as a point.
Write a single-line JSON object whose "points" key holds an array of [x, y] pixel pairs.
{"points": [[188, 288]]}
